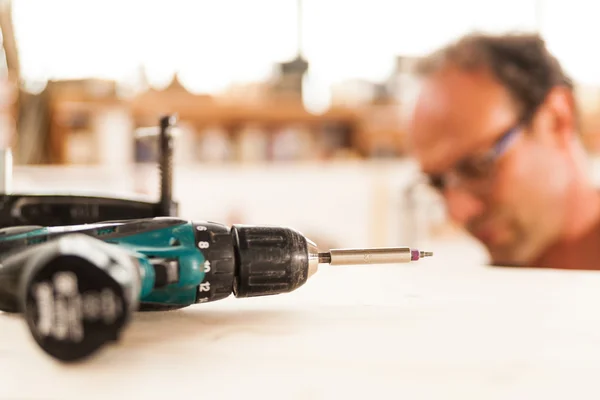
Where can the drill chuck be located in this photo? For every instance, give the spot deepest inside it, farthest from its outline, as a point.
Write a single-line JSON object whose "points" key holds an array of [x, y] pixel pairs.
{"points": [[271, 260]]}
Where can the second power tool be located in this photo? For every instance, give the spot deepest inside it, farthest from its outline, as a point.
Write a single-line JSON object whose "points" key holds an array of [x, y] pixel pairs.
{"points": [[78, 286]]}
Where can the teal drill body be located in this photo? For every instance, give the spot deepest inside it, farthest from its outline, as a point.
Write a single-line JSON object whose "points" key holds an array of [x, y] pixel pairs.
{"points": [[176, 244], [167, 247]]}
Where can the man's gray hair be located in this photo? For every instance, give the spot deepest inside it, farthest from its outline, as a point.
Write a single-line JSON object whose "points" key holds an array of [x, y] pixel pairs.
{"points": [[520, 62]]}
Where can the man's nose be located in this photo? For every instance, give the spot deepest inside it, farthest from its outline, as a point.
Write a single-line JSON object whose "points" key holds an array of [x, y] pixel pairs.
{"points": [[463, 205]]}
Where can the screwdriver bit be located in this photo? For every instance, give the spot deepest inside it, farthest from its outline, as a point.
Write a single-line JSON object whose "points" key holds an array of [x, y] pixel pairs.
{"points": [[381, 255]]}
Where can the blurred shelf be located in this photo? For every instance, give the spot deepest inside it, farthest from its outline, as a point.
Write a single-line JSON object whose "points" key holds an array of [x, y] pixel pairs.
{"points": [[364, 131], [202, 111]]}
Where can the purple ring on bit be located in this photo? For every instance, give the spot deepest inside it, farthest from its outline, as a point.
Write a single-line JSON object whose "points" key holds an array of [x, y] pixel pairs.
{"points": [[415, 255]]}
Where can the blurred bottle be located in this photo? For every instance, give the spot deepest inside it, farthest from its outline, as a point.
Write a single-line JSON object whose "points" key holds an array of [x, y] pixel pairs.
{"points": [[333, 140], [252, 144], [185, 140], [352, 93], [79, 148], [8, 106], [215, 145], [293, 143], [316, 94]]}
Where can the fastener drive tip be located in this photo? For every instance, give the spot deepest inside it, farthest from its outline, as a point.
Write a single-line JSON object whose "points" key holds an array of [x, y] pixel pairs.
{"points": [[417, 254]]}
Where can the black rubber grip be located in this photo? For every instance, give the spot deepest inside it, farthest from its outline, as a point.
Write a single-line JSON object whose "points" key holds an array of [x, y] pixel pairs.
{"points": [[271, 260]]}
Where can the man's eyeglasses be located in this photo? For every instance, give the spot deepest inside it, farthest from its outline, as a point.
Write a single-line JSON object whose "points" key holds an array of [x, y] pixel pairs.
{"points": [[478, 168]]}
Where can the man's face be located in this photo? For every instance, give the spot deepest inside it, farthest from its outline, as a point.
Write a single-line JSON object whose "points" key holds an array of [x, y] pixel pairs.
{"points": [[513, 202]]}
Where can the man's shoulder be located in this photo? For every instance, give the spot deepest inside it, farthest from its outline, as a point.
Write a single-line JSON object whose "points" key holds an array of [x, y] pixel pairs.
{"points": [[582, 252]]}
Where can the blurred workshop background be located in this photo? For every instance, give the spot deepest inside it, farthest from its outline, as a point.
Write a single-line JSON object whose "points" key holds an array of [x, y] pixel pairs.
{"points": [[291, 112]]}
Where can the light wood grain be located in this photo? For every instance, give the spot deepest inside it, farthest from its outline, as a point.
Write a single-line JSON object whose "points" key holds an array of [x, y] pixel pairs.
{"points": [[437, 329]]}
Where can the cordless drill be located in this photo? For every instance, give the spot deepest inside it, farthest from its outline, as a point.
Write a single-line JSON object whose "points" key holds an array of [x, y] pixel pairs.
{"points": [[77, 286]]}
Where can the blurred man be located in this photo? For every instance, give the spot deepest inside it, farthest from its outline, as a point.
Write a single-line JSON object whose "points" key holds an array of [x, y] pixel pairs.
{"points": [[495, 129]]}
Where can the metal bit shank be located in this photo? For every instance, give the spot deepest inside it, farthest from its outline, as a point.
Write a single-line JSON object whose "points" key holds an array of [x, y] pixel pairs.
{"points": [[390, 255]]}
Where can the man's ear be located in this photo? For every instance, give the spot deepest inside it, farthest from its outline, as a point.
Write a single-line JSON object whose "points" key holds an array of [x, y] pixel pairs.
{"points": [[561, 114]]}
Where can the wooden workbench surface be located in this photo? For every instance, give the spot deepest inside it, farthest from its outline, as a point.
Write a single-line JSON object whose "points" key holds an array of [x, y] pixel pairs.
{"points": [[438, 329]]}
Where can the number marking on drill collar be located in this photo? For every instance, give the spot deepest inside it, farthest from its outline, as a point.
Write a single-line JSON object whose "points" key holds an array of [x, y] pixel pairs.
{"points": [[203, 245], [205, 287]]}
